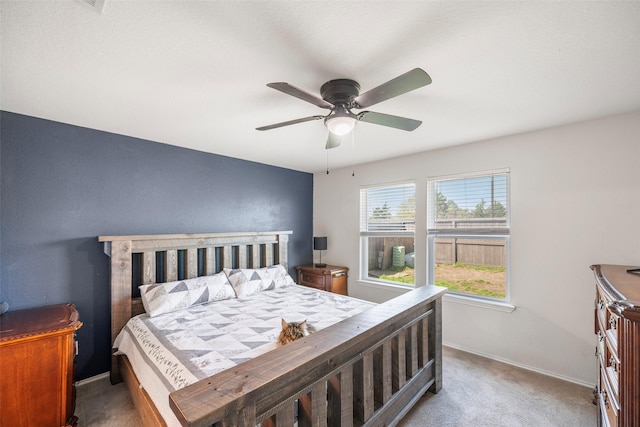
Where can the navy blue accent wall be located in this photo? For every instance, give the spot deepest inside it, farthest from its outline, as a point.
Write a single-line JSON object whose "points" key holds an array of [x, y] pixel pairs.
{"points": [[63, 185]]}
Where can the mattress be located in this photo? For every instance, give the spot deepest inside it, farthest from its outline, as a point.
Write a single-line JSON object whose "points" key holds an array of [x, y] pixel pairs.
{"points": [[173, 350]]}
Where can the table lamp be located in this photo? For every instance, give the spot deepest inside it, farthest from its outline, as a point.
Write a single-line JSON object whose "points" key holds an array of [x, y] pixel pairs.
{"points": [[320, 244]]}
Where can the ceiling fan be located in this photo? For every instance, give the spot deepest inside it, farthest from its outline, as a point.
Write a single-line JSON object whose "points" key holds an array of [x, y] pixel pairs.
{"points": [[342, 95]]}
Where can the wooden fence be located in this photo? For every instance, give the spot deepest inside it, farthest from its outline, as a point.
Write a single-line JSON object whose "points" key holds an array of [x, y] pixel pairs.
{"points": [[490, 252], [381, 250], [470, 251]]}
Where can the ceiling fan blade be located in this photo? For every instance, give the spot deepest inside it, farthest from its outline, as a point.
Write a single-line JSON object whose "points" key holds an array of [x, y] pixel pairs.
{"points": [[290, 122], [404, 83], [389, 120], [299, 93], [333, 141]]}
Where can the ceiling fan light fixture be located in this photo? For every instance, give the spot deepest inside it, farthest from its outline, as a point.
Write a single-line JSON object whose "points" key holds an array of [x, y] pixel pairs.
{"points": [[340, 125], [341, 122]]}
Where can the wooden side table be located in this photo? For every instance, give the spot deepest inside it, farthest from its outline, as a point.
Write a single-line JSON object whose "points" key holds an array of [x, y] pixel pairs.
{"points": [[330, 278], [37, 351]]}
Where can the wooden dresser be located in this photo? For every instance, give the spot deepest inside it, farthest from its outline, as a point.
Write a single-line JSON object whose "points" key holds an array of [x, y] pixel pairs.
{"points": [[37, 351], [617, 327], [330, 278]]}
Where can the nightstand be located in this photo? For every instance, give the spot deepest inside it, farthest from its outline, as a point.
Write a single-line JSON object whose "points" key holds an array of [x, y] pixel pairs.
{"points": [[330, 278], [37, 351]]}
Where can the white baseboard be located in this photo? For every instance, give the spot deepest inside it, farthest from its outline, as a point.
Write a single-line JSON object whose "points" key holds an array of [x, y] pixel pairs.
{"points": [[99, 377], [520, 365]]}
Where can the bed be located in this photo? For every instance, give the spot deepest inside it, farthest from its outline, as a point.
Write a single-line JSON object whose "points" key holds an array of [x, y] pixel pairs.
{"points": [[368, 369]]}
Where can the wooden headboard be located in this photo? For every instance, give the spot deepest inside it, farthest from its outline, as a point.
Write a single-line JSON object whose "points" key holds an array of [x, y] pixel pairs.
{"points": [[193, 254]]}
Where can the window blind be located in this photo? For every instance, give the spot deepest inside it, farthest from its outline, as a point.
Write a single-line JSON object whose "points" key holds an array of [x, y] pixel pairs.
{"points": [[388, 208], [471, 202]]}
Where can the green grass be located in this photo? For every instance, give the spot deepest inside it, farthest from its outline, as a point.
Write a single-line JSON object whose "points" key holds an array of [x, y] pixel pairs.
{"points": [[399, 279], [402, 274], [490, 268], [474, 287]]}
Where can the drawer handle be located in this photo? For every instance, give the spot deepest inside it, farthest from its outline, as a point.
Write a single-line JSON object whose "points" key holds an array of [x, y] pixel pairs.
{"points": [[601, 304], [600, 336], [612, 322], [597, 352], [605, 399], [612, 363]]}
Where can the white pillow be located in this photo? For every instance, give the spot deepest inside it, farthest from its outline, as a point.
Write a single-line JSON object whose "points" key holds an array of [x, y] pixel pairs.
{"points": [[171, 296], [281, 276], [248, 281]]}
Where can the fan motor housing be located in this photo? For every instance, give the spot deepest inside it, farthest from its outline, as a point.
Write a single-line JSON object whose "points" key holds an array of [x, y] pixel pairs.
{"points": [[340, 91]]}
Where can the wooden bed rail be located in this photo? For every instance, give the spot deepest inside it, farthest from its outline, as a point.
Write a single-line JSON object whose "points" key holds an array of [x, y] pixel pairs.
{"points": [[367, 370]]}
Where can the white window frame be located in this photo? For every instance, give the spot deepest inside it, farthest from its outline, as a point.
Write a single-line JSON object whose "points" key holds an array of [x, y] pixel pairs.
{"points": [[366, 234], [500, 233]]}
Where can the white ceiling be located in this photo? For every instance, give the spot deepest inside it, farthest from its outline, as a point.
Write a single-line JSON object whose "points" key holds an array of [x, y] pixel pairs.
{"points": [[194, 73]]}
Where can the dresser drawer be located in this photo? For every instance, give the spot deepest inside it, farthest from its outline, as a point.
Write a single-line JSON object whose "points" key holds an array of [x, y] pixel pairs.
{"points": [[330, 278], [607, 321], [609, 416], [601, 311], [613, 322], [611, 368], [601, 347], [609, 406], [313, 280]]}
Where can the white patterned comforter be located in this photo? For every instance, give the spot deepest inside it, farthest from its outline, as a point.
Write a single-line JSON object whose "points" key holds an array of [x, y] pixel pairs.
{"points": [[173, 350]]}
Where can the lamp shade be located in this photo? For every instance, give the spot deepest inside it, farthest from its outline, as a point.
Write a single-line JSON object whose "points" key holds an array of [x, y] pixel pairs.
{"points": [[320, 243]]}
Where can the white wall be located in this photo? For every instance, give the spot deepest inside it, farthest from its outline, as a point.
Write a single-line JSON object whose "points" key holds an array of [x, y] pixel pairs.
{"points": [[575, 201]]}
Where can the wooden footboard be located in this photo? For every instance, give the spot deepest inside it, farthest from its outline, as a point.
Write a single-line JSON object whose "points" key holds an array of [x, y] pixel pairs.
{"points": [[366, 370]]}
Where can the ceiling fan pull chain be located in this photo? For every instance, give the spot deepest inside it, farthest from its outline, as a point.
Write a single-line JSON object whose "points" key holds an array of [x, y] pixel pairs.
{"points": [[327, 160], [353, 151]]}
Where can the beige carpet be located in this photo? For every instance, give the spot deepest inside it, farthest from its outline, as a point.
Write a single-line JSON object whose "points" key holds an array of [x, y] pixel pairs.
{"points": [[100, 404], [476, 392]]}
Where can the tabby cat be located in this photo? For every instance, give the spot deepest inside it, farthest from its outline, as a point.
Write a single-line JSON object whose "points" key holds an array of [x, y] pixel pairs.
{"points": [[292, 331]]}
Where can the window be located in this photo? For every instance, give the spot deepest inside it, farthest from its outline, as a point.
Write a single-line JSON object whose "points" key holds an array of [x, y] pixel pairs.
{"points": [[468, 234], [387, 229]]}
